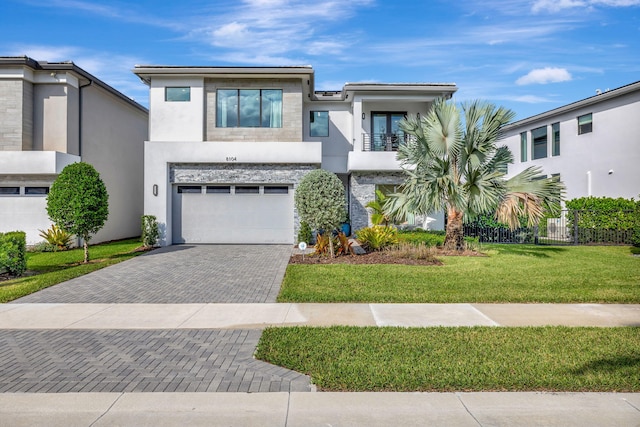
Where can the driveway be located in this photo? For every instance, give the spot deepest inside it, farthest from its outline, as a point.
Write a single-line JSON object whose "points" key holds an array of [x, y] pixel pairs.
{"points": [[180, 274], [155, 360]]}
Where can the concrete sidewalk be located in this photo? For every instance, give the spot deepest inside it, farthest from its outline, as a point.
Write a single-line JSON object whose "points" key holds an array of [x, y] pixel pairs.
{"points": [[258, 316], [320, 409]]}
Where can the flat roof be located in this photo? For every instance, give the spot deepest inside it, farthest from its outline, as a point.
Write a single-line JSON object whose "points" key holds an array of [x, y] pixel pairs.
{"points": [[26, 61], [600, 97]]}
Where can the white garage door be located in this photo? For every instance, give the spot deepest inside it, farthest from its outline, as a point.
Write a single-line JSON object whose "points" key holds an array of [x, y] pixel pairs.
{"points": [[232, 213]]}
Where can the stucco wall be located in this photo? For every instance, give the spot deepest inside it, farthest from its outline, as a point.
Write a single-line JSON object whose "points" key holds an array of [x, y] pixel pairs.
{"points": [[585, 160], [291, 130], [113, 135]]}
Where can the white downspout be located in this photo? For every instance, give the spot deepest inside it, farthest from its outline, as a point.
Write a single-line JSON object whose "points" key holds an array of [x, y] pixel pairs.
{"points": [[589, 183]]}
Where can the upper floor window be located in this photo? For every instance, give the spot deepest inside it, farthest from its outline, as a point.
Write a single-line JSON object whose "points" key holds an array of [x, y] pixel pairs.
{"points": [[555, 134], [319, 123], [523, 147], [177, 94], [585, 124], [249, 108], [539, 137]]}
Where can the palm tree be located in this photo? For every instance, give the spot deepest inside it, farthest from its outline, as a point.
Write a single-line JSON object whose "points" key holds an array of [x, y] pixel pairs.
{"points": [[456, 166]]}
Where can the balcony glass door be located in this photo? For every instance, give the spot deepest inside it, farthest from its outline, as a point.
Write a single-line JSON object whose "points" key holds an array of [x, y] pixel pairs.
{"points": [[386, 134]]}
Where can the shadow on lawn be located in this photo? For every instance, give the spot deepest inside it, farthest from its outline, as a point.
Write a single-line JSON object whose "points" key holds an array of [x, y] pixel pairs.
{"points": [[610, 365], [529, 250]]}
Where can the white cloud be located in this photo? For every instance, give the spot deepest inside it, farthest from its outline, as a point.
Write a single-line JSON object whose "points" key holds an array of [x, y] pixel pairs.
{"points": [[544, 76], [558, 5]]}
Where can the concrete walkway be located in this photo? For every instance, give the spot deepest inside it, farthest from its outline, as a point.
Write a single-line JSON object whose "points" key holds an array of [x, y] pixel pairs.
{"points": [[321, 409], [259, 316]]}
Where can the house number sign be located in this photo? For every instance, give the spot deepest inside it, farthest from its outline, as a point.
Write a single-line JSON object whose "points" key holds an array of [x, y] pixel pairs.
{"points": [[232, 159]]}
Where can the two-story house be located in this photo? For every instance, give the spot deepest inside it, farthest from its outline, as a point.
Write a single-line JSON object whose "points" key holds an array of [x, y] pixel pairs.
{"points": [[54, 114], [228, 146], [592, 144]]}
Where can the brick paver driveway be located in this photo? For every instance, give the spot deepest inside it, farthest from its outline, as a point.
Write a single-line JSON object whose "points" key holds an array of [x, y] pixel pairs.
{"points": [[58, 361], [180, 274]]}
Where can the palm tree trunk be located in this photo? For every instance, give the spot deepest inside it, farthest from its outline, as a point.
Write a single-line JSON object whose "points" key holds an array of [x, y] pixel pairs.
{"points": [[454, 238]]}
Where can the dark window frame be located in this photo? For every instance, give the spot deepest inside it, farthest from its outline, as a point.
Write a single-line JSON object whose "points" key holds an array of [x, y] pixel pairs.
{"points": [[586, 127], [218, 189], [247, 189], [538, 141], [9, 190], [524, 147], [238, 123], [168, 98], [555, 139], [187, 189], [312, 120], [276, 189], [33, 190]]}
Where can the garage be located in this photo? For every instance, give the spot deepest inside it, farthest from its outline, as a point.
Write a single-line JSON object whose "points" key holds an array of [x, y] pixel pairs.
{"points": [[234, 213]]}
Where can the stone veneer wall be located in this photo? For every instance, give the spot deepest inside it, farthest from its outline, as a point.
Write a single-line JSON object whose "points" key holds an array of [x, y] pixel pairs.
{"points": [[16, 115], [363, 190], [223, 173], [291, 130]]}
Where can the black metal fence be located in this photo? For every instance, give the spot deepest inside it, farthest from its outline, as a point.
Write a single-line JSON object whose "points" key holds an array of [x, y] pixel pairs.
{"points": [[570, 227]]}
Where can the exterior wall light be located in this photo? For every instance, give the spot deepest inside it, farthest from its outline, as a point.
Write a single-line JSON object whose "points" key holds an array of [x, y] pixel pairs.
{"points": [[362, 116], [155, 189]]}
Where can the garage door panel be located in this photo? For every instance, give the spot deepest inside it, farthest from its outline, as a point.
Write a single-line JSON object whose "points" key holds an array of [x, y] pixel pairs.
{"points": [[232, 218]]}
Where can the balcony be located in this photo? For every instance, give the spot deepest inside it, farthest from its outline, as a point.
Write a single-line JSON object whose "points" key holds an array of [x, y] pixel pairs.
{"points": [[384, 141]]}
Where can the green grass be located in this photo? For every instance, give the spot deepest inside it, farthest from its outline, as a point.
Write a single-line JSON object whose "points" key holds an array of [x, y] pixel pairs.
{"points": [[510, 273], [459, 359], [55, 267]]}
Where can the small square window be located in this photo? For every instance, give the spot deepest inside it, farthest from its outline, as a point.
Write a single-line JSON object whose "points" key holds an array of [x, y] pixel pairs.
{"points": [[247, 189], [218, 189], [585, 124], [9, 191], [36, 190], [319, 123], [184, 189], [177, 94]]}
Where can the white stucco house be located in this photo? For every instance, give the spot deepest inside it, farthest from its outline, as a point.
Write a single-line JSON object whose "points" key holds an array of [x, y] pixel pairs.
{"points": [[227, 147], [54, 114], [593, 144]]}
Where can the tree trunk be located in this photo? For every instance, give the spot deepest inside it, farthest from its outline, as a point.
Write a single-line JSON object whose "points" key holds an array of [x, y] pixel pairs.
{"points": [[86, 249], [331, 246], [454, 238]]}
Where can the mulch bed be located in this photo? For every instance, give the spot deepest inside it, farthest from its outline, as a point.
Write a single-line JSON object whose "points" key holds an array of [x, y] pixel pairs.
{"points": [[384, 257]]}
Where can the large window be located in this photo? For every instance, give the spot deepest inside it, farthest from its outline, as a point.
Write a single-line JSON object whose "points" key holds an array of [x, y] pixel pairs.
{"points": [[249, 108], [555, 134], [523, 147], [319, 123], [539, 137], [585, 124], [386, 132]]}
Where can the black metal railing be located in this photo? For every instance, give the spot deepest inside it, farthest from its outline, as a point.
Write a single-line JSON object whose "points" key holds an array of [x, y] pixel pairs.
{"points": [[570, 227], [383, 141]]}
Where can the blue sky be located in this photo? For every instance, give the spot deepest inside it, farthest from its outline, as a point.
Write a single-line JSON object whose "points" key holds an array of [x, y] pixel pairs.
{"points": [[530, 56]]}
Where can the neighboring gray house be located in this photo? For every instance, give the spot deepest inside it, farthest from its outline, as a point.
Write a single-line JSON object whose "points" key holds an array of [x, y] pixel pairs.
{"points": [[54, 114], [228, 146], [593, 144]]}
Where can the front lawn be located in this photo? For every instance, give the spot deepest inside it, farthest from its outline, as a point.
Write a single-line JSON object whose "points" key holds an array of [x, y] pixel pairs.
{"points": [[50, 268], [459, 359], [509, 273]]}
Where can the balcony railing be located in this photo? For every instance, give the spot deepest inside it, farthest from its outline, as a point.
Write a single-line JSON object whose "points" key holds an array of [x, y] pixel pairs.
{"points": [[383, 141]]}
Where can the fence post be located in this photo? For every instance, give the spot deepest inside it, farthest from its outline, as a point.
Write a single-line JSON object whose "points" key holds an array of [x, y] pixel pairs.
{"points": [[576, 216]]}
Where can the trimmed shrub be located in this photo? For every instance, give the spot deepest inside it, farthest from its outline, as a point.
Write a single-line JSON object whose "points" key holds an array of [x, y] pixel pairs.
{"points": [[603, 219], [150, 231], [13, 254], [377, 237], [305, 234]]}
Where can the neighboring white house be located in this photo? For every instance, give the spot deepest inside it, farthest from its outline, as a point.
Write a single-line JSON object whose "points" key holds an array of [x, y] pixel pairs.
{"points": [[593, 144], [54, 114], [228, 146]]}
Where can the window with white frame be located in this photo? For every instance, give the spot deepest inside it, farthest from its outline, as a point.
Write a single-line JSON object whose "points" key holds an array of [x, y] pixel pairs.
{"points": [[249, 108]]}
